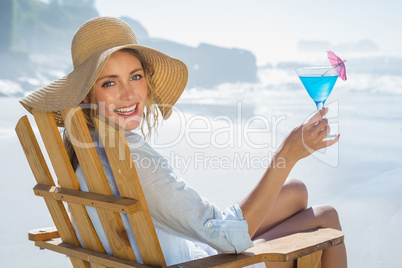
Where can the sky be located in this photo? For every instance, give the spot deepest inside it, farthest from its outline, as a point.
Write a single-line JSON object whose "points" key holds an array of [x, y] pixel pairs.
{"points": [[270, 29]]}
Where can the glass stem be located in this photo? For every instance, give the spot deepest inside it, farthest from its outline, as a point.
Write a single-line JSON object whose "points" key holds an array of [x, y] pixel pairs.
{"points": [[319, 105]]}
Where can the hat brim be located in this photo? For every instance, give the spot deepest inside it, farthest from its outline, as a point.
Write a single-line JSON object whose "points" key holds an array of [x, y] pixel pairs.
{"points": [[169, 77]]}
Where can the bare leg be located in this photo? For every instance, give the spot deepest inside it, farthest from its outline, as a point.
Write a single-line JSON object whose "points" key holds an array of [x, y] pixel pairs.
{"points": [[291, 200], [311, 218], [290, 215]]}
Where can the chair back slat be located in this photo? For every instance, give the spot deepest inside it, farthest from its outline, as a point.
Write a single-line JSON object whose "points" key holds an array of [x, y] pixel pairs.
{"points": [[66, 178], [55, 148], [42, 176], [129, 186], [95, 178]]}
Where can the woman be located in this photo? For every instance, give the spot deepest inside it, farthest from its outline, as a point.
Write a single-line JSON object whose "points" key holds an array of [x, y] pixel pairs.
{"points": [[127, 83]]}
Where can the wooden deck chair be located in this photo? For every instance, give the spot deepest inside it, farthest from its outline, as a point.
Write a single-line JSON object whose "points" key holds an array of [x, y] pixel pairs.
{"points": [[306, 247]]}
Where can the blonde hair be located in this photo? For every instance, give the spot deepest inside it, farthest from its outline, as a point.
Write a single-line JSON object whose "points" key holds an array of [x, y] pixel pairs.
{"points": [[149, 117]]}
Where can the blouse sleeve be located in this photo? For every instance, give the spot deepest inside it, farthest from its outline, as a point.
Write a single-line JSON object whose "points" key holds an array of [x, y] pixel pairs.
{"points": [[180, 210]]}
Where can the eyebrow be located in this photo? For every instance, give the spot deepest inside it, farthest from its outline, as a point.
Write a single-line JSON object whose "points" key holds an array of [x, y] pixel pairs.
{"points": [[115, 76]]}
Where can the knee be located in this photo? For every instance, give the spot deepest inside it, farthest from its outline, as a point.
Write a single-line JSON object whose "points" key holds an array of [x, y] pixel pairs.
{"points": [[298, 192], [328, 217]]}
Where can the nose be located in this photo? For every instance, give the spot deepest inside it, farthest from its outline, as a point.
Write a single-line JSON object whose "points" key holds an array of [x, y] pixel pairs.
{"points": [[126, 92]]}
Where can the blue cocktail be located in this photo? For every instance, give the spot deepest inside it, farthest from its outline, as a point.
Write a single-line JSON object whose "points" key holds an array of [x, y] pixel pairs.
{"points": [[319, 82]]}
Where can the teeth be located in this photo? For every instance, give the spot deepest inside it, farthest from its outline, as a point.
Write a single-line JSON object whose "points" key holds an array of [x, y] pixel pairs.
{"points": [[128, 110]]}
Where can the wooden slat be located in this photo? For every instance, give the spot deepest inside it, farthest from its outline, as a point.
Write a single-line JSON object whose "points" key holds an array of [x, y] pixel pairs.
{"points": [[66, 177], [278, 250], [312, 260], [89, 255], [126, 177], [42, 175], [43, 234], [32, 152], [117, 204], [96, 180], [299, 244]]}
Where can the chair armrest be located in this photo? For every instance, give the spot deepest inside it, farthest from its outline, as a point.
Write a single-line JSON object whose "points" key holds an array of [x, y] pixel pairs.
{"points": [[282, 249], [43, 234]]}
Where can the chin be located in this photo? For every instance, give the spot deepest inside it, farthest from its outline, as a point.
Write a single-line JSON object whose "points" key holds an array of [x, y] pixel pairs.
{"points": [[128, 126]]}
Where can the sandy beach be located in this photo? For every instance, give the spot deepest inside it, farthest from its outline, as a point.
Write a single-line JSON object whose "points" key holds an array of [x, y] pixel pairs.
{"points": [[360, 176]]}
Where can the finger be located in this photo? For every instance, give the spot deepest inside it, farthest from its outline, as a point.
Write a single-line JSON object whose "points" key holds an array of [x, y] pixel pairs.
{"points": [[317, 116], [332, 141], [324, 132], [322, 124]]}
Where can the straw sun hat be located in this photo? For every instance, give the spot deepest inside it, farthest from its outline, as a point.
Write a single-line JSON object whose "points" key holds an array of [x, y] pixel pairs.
{"points": [[92, 44]]}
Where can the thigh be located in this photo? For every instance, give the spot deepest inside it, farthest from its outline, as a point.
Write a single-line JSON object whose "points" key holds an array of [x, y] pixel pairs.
{"points": [[291, 199], [320, 216]]}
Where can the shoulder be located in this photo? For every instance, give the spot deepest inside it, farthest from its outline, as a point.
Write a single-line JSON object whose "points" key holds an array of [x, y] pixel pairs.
{"points": [[144, 156], [138, 145]]}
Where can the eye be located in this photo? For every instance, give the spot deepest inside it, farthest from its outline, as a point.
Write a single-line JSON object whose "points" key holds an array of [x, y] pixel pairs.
{"points": [[108, 84], [136, 77]]}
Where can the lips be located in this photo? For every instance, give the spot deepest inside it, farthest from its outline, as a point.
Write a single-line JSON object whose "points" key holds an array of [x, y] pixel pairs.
{"points": [[126, 111]]}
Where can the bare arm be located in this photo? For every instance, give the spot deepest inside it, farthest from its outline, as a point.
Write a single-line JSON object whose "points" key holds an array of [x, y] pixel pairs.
{"points": [[301, 142]]}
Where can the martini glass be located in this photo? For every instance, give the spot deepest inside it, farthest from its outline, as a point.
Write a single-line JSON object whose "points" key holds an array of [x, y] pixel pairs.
{"points": [[319, 82]]}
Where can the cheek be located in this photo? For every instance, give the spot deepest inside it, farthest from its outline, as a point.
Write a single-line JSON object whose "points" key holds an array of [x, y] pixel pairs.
{"points": [[144, 94], [104, 104], [144, 90]]}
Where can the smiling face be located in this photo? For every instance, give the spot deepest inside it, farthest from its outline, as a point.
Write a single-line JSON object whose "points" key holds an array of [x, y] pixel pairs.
{"points": [[121, 90]]}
